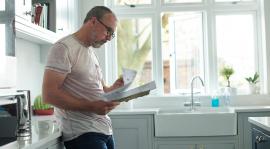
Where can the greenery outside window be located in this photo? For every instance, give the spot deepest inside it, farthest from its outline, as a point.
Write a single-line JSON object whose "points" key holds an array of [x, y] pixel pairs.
{"points": [[193, 34]]}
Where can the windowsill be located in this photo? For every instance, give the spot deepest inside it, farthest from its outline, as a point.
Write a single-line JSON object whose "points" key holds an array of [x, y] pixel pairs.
{"points": [[201, 95], [170, 101]]}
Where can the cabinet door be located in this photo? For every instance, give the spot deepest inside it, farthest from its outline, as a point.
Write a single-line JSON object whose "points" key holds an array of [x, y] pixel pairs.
{"points": [[244, 128], [176, 146], [59, 145], [22, 8], [131, 133], [258, 132], [44, 146], [62, 22], [215, 146]]}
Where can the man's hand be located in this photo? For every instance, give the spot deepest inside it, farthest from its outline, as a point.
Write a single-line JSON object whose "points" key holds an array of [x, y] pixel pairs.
{"points": [[101, 107], [118, 83]]}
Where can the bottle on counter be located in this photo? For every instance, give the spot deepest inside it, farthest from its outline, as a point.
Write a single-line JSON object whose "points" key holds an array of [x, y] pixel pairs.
{"points": [[226, 97], [215, 99]]}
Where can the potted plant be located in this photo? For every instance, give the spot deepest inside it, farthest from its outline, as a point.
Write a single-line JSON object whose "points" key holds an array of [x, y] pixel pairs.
{"points": [[227, 72], [252, 83]]}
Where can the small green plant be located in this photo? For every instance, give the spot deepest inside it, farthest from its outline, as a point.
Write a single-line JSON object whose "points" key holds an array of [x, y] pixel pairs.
{"points": [[254, 80], [226, 72]]}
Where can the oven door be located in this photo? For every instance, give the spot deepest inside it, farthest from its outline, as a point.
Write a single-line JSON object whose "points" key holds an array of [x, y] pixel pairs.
{"points": [[260, 138], [8, 123]]}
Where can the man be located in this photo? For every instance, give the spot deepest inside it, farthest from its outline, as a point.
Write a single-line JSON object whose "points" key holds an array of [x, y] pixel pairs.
{"points": [[73, 82]]}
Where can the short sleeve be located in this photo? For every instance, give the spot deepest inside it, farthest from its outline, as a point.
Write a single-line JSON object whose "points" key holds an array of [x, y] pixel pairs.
{"points": [[58, 59]]}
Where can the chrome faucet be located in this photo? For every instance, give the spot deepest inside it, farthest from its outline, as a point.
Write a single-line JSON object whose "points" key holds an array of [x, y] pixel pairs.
{"points": [[192, 103]]}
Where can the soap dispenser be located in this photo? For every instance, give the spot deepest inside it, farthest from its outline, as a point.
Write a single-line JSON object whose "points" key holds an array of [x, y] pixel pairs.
{"points": [[226, 97], [215, 100]]}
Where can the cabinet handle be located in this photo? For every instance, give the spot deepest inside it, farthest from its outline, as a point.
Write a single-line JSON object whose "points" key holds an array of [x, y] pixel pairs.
{"points": [[61, 29], [260, 139], [28, 13]]}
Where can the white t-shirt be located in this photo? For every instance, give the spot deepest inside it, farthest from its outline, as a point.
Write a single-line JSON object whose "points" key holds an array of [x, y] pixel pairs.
{"points": [[83, 80]]}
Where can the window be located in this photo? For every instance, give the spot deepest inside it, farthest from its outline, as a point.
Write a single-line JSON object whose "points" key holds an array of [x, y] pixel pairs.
{"points": [[186, 51], [236, 46], [182, 1], [2, 5], [2, 39], [134, 48], [122, 2], [197, 39], [232, 0]]}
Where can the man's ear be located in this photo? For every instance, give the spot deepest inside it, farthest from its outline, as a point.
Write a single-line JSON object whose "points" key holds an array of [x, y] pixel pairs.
{"points": [[93, 21]]}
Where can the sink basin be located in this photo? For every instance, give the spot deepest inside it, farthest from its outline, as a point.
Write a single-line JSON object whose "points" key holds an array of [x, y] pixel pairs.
{"points": [[198, 110], [204, 121]]}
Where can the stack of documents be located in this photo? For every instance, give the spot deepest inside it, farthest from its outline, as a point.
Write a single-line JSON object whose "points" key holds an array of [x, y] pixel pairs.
{"points": [[123, 93]]}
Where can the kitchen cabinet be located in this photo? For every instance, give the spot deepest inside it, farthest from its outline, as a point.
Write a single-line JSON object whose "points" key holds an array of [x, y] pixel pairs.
{"points": [[63, 21], [260, 138], [215, 146], [192, 145], [176, 146], [23, 9], [53, 144], [244, 128], [62, 11], [133, 131]]}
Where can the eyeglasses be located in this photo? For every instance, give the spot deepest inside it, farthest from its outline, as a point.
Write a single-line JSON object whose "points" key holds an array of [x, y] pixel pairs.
{"points": [[110, 31]]}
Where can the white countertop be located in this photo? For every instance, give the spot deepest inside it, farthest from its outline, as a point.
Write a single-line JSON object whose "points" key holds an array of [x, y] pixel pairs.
{"points": [[42, 132], [251, 108], [263, 122], [155, 110]]}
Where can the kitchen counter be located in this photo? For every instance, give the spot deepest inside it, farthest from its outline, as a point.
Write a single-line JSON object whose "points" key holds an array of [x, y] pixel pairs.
{"points": [[42, 132], [155, 110], [263, 122], [40, 136]]}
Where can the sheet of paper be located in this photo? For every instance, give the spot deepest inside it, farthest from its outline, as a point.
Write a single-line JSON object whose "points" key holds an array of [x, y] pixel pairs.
{"points": [[128, 77]]}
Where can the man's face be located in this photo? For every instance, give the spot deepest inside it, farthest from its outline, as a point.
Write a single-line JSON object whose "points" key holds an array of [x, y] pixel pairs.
{"points": [[100, 35]]}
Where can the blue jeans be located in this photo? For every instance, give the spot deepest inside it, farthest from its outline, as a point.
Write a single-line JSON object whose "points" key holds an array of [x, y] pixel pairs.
{"points": [[91, 140]]}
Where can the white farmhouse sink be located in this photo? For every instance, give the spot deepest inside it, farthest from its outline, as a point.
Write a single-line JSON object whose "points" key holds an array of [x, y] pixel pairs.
{"points": [[201, 122]]}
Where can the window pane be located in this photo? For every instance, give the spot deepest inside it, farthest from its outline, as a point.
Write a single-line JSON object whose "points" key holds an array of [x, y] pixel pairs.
{"points": [[2, 5], [2, 40], [182, 1], [231, 0], [184, 31], [134, 48], [236, 47], [121, 2]]}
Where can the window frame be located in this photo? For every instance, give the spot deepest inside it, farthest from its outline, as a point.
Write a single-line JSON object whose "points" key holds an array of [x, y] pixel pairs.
{"points": [[112, 5], [113, 43], [254, 14], [173, 72], [164, 4], [210, 55], [237, 3]]}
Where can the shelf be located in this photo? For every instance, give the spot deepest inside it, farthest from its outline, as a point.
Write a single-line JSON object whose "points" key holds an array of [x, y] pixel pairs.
{"points": [[34, 33]]}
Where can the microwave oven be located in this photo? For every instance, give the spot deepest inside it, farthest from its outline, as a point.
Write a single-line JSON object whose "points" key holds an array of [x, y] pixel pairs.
{"points": [[15, 117]]}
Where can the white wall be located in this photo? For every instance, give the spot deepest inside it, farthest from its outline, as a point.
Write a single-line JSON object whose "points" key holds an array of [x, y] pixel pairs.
{"points": [[29, 69], [87, 5]]}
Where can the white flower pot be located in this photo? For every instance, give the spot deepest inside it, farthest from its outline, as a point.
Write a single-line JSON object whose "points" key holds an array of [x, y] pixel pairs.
{"points": [[251, 88]]}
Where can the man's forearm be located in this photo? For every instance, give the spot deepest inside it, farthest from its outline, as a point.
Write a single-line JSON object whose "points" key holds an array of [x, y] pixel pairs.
{"points": [[62, 100]]}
